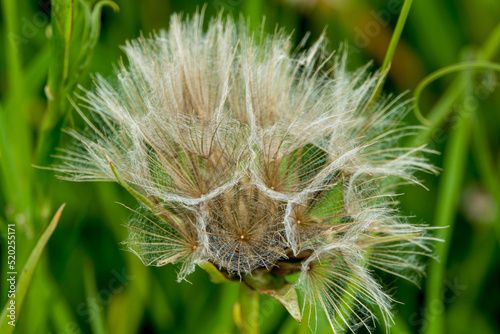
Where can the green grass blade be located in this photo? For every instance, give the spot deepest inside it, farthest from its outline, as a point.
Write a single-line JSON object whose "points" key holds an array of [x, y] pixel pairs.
{"points": [[397, 34], [453, 174], [14, 129], [403, 15], [14, 75], [27, 273], [11, 178], [454, 168], [96, 321]]}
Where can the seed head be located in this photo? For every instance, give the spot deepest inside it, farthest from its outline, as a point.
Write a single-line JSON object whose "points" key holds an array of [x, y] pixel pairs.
{"points": [[250, 155]]}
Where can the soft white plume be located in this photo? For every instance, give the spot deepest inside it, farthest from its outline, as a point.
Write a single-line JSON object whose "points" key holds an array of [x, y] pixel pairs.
{"points": [[247, 153]]}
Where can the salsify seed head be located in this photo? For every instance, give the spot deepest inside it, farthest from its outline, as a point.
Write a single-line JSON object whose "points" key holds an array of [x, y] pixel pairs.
{"points": [[249, 154]]}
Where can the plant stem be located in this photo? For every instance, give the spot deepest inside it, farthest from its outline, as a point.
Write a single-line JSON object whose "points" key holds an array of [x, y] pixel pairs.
{"points": [[403, 15], [443, 107], [453, 174], [249, 304], [450, 185], [442, 72], [397, 34]]}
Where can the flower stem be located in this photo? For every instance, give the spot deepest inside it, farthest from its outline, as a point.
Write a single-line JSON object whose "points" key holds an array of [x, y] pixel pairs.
{"points": [[452, 178], [403, 15], [397, 34], [249, 310]]}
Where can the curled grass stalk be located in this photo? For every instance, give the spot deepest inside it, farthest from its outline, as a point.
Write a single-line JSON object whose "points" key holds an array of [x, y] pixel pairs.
{"points": [[443, 107], [441, 73]]}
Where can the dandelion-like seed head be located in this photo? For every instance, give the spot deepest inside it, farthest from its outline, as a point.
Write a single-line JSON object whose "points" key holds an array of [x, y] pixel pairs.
{"points": [[250, 155]]}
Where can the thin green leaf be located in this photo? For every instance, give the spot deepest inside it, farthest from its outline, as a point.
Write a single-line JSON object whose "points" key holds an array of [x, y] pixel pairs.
{"points": [[403, 15], [27, 273], [451, 182]]}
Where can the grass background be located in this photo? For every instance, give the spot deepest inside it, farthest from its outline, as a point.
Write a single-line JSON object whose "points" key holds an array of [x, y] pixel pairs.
{"points": [[84, 282]]}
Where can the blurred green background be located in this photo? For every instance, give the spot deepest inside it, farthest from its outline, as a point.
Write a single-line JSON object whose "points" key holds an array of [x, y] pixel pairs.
{"points": [[85, 282]]}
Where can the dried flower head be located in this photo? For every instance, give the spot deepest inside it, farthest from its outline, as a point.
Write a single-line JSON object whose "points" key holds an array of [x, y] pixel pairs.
{"points": [[253, 157]]}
